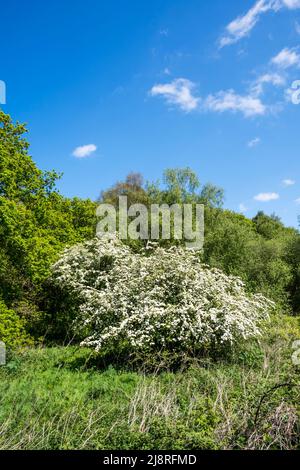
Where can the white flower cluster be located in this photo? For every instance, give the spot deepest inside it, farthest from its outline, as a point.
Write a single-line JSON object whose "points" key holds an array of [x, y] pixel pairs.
{"points": [[158, 298]]}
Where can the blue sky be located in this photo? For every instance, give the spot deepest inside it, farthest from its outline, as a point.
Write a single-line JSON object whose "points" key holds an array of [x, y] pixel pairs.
{"points": [[112, 87]]}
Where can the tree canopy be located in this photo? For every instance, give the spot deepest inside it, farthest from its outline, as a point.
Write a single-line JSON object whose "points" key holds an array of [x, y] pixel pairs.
{"points": [[37, 223]]}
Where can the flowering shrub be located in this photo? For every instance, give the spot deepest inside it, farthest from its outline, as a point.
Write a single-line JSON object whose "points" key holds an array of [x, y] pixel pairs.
{"points": [[155, 299]]}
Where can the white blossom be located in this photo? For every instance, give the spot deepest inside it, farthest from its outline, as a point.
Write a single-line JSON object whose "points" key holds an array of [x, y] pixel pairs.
{"points": [[157, 298]]}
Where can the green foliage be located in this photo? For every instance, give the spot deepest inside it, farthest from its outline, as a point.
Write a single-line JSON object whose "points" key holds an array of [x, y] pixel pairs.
{"points": [[59, 398], [12, 328], [268, 226], [21, 180], [264, 253], [72, 398], [182, 186], [36, 222], [293, 258], [132, 187], [259, 251], [227, 236]]}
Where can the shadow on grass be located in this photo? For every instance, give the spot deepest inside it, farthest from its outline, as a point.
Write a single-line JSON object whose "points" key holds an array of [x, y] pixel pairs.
{"points": [[157, 362]]}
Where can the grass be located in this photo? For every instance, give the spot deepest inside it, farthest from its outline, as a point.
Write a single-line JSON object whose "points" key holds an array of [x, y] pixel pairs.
{"points": [[60, 398]]}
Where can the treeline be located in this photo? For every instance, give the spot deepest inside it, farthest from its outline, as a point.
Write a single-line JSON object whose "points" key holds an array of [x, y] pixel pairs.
{"points": [[37, 223], [262, 251]]}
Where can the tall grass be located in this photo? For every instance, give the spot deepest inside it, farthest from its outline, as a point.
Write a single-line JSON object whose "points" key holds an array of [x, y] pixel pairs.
{"points": [[57, 398]]}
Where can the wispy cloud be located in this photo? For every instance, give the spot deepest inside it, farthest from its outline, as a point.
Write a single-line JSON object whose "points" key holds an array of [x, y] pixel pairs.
{"points": [[266, 197], [287, 58], [243, 24], [228, 100], [275, 79], [288, 182], [243, 208], [291, 4], [297, 201], [276, 75], [84, 151], [254, 142], [179, 92]]}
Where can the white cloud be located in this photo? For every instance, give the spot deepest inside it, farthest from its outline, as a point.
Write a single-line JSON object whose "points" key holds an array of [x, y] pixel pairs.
{"points": [[297, 201], [275, 79], [254, 142], [178, 92], [291, 4], [243, 24], [276, 75], [243, 208], [286, 58], [230, 101], [288, 182], [84, 151], [266, 197]]}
